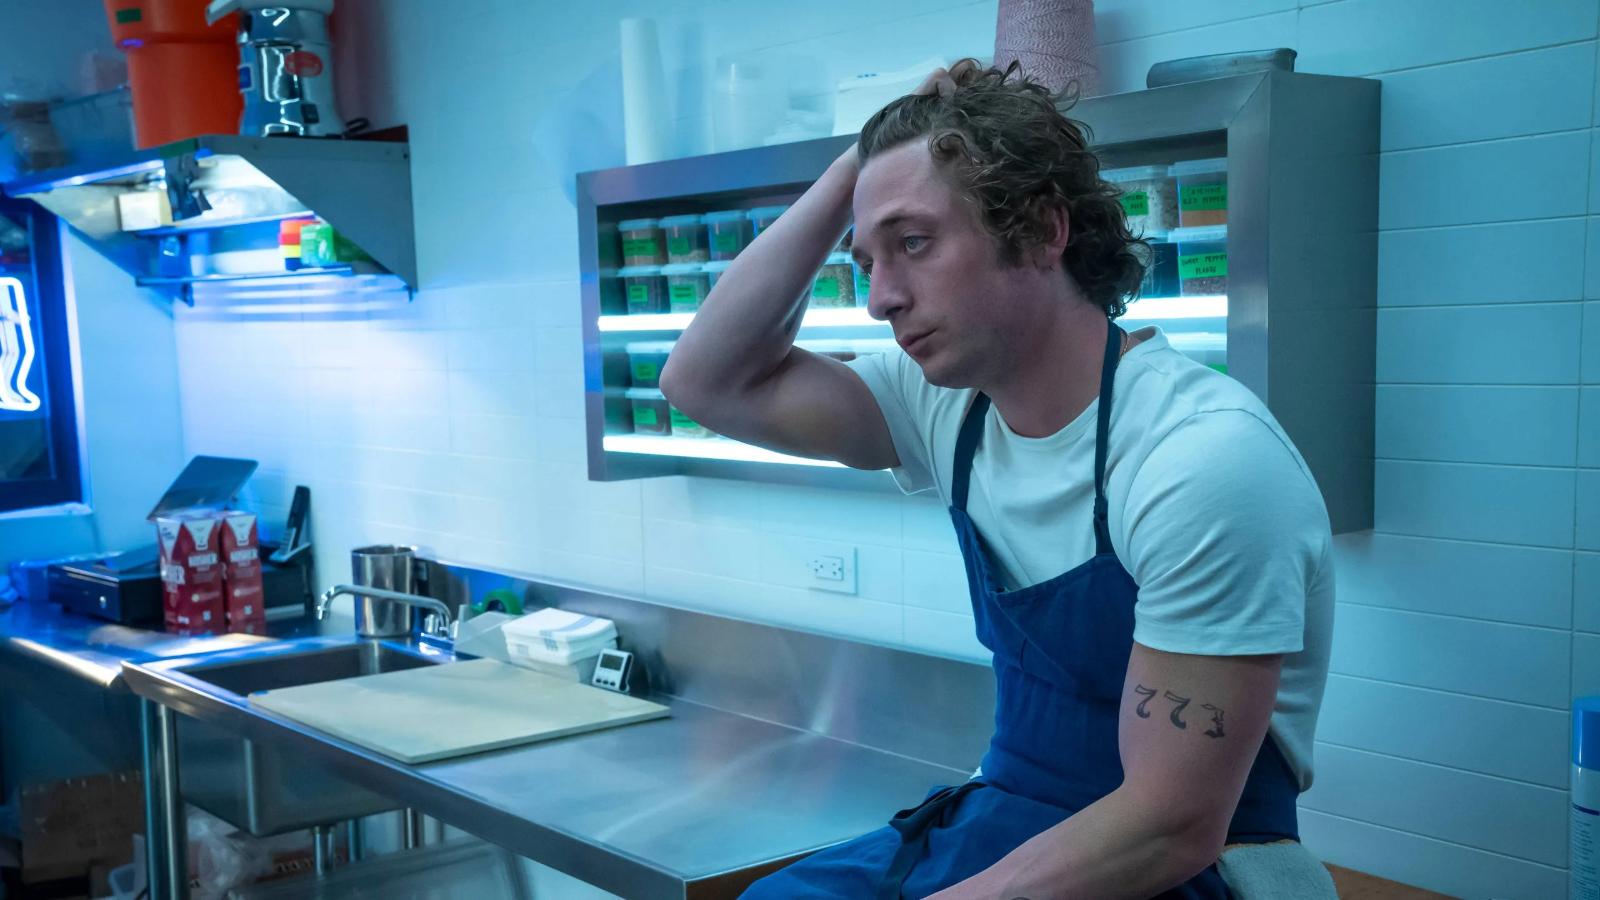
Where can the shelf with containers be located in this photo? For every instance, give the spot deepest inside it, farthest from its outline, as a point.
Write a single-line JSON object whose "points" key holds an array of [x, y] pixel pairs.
{"points": [[1257, 195], [268, 215]]}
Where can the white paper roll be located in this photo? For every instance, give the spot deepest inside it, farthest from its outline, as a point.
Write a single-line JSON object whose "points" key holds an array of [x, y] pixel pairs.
{"points": [[644, 93]]}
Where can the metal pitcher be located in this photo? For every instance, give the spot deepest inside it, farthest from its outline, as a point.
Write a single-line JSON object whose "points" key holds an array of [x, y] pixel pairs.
{"points": [[392, 568]]}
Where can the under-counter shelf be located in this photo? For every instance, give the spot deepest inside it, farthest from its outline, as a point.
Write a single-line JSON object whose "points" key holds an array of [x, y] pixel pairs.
{"points": [[226, 195], [1297, 324]]}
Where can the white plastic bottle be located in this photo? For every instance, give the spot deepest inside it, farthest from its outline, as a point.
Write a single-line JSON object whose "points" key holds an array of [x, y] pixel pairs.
{"points": [[1585, 824]]}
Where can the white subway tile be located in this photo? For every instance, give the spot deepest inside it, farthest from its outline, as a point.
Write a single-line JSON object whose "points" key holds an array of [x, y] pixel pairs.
{"points": [[710, 501], [1445, 104], [937, 581], [1591, 343], [1588, 513], [1585, 665], [508, 437], [1523, 344], [1526, 585], [1362, 37], [1511, 740], [723, 552], [830, 514], [927, 525], [945, 634], [1462, 184], [490, 348], [1500, 504], [1589, 427], [1536, 426], [601, 572], [1521, 820], [1488, 659], [1463, 264], [1123, 20], [1586, 592], [814, 611], [784, 557], [1441, 866]]}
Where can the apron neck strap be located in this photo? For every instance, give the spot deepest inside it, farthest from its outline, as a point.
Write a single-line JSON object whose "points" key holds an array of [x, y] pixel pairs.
{"points": [[972, 432]]}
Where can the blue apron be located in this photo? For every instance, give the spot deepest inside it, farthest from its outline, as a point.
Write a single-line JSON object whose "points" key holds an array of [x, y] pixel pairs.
{"points": [[1061, 652]]}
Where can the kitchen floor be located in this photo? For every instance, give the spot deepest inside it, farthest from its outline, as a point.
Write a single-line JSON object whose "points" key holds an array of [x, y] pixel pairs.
{"points": [[1354, 885]]}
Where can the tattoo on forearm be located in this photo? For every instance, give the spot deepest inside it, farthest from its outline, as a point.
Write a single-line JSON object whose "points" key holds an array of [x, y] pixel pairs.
{"points": [[1178, 710], [1143, 711]]}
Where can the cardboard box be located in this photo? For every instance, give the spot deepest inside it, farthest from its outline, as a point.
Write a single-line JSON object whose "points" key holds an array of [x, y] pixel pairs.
{"points": [[191, 573], [70, 827], [243, 599]]}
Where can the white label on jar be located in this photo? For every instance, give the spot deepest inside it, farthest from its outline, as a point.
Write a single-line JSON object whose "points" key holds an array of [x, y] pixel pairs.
{"points": [[1585, 861]]}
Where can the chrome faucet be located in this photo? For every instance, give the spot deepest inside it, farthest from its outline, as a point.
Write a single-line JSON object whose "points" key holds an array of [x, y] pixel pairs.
{"points": [[443, 629]]}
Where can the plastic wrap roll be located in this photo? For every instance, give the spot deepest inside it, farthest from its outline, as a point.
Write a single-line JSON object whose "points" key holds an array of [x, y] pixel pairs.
{"points": [[644, 93], [1052, 39]]}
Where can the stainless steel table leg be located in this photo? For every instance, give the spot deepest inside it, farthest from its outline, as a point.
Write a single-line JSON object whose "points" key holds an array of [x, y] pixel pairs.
{"points": [[166, 834], [412, 821], [355, 837], [323, 848]]}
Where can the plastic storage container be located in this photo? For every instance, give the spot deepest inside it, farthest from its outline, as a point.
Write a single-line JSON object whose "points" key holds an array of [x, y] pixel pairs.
{"points": [[645, 289], [762, 217], [863, 284], [1202, 191], [1202, 260], [686, 239], [645, 360], [641, 242], [1160, 267], [558, 637], [651, 412], [727, 233], [1149, 198], [836, 283], [714, 270], [685, 427], [687, 286]]}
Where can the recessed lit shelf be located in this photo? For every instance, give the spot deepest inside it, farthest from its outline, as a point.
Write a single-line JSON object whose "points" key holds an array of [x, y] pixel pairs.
{"points": [[1150, 309], [702, 448]]}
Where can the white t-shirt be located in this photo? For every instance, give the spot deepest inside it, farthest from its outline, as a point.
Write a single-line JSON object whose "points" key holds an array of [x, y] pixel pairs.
{"points": [[1211, 510]]}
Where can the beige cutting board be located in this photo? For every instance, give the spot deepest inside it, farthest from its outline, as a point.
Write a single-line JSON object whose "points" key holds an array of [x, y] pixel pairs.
{"points": [[436, 712]]}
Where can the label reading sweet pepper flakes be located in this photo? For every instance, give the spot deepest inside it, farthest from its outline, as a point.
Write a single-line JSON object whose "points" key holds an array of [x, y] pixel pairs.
{"points": [[1202, 265]]}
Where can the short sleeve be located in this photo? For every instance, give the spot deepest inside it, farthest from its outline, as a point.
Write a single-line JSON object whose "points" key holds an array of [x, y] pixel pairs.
{"points": [[894, 381], [1225, 531]]}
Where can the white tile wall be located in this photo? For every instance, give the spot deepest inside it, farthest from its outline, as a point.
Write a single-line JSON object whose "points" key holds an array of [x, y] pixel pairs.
{"points": [[455, 420]]}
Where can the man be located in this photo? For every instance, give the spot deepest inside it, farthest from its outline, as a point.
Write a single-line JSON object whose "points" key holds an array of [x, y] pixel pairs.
{"points": [[1148, 556]]}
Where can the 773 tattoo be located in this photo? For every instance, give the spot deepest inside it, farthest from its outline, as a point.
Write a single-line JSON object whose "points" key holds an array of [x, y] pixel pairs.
{"points": [[1142, 710]]}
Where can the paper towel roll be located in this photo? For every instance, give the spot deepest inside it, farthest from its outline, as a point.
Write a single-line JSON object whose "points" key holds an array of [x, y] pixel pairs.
{"points": [[644, 93], [1052, 39]]}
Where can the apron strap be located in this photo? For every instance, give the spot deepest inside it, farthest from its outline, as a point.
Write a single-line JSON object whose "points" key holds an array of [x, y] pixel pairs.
{"points": [[966, 447], [914, 825], [1108, 371]]}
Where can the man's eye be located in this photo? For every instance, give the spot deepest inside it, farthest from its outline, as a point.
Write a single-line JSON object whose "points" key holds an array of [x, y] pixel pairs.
{"points": [[913, 242]]}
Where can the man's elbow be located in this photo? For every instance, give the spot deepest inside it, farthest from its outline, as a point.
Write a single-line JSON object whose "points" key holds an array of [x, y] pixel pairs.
{"points": [[678, 388], [1196, 845]]}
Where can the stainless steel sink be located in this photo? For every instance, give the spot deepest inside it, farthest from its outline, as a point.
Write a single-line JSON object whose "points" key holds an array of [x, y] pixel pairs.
{"points": [[261, 788]]}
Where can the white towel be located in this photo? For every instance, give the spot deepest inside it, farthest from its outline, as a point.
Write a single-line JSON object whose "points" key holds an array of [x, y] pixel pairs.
{"points": [[1275, 871]]}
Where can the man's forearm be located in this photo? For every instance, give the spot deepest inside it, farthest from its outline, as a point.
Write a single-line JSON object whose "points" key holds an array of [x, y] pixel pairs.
{"points": [[1107, 851], [745, 328]]}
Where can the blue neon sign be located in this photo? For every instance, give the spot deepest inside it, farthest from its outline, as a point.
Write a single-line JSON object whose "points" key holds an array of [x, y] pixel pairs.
{"points": [[16, 348]]}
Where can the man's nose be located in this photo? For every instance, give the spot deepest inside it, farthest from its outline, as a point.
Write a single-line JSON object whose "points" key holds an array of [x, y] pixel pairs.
{"points": [[885, 299]]}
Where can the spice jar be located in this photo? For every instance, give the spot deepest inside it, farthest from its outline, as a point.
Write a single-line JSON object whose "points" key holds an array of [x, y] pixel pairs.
{"points": [[1202, 260], [641, 242], [1202, 191], [1149, 198]]}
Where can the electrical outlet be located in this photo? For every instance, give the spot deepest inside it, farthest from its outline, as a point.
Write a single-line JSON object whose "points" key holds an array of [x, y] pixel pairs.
{"points": [[827, 568]]}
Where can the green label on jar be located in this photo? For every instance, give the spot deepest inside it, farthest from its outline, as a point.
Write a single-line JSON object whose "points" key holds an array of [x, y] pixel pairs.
{"points": [[638, 297], [645, 371], [863, 287], [644, 417], [682, 422], [1202, 265], [684, 297], [826, 288], [1136, 203], [1220, 367], [1203, 196], [634, 248], [726, 241], [679, 246]]}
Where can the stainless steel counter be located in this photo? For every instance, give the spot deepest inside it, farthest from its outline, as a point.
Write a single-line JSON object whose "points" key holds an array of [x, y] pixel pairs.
{"points": [[695, 805]]}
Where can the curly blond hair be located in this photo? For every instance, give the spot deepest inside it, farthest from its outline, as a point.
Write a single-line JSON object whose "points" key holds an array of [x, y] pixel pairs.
{"points": [[1006, 145]]}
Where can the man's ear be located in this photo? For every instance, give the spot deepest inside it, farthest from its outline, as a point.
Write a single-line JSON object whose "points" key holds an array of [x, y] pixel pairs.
{"points": [[1059, 231]]}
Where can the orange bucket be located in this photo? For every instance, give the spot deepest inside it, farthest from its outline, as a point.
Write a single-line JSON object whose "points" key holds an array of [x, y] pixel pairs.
{"points": [[182, 72]]}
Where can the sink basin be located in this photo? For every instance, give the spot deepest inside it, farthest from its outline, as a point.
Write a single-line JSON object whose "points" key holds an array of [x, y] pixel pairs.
{"points": [[261, 788]]}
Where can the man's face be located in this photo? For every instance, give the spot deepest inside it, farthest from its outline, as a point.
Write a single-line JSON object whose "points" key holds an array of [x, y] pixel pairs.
{"points": [[936, 273]]}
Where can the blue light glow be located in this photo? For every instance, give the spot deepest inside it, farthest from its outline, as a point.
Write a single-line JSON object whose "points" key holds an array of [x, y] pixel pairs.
{"points": [[16, 348]]}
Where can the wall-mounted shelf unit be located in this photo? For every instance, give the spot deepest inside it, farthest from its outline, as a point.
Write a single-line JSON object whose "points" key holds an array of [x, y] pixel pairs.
{"points": [[1293, 317], [227, 195]]}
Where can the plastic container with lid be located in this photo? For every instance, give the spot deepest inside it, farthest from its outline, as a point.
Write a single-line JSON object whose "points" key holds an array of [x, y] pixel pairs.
{"points": [[1160, 267], [836, 283], [1202, 191], [645, 359], [651, 412], [686, 239], [558, 637], [685, 427], [687, 286], [1202, 260], [714, 270], [727, 233], [1149, 198], [645, 289], [762, 217], [641, 242], [863, 283], [1584, 816]]}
